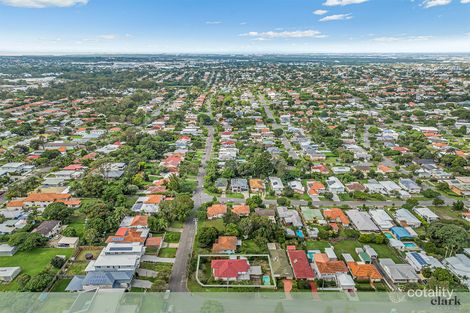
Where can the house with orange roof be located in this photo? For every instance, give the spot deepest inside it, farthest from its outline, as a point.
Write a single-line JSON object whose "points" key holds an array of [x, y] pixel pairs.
{"points": [[127, 235], [466, 216], [361, 271], [328, 269], [15, 204], [383, 169], [42, 200], [148, 204], [172, 162], [154, 243], [320, 168], [402, 150], [314, 189], [257, 186], [241, 210], [138, 221], [336, 215], [216, 211], [226, 245]]}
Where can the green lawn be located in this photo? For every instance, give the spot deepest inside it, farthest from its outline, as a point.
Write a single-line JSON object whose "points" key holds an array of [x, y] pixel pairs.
{"points": [[84, 252], [317, 245], [31, 262], [217, 223], [234, 195], [177, 225], [384, 251], [446, 212], [60, 285], [348, 246], [167, 253], [77, 268], [79, 228], [34, 261], [172, 237], [251, 247]]}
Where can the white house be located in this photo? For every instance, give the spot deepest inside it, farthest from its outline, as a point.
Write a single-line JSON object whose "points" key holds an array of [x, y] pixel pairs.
{"points": [[335, 186], [7, 274], [276, 185]]}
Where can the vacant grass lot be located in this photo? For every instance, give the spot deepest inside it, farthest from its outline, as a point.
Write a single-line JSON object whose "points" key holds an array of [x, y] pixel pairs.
{"points": [[317, 245], [34, 261], [348, 246], [31, 262], [217, 223]]}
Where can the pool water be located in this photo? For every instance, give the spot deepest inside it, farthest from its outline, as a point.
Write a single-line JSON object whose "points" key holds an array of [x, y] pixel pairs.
{"points": [[410, 245], [299, 233], [389, 236], [266, 280]]}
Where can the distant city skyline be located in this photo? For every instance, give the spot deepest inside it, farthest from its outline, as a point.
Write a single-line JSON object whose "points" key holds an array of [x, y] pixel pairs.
{"points": [[242, 26]]}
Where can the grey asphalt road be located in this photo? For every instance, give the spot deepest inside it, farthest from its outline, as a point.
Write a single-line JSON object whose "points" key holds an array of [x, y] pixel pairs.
{"points": [[179, 274], [292, 153]]}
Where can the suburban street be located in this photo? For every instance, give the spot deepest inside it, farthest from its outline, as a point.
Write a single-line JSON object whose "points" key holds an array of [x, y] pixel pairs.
{"points": [[179, 274], [292, 153], [353, 204], [366, 137]]}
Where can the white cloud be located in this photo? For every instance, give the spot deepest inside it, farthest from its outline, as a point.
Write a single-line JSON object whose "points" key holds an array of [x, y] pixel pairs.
{"points": [[435, 3], [213, 22], [320, 12], [285, 34], [42, 3], [333, 3], [108, 37], [464, 1], [336, 17], [386, 39]]}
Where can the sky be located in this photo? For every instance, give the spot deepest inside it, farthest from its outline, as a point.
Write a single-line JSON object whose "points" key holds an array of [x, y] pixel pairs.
{"points": [[233, 26]]}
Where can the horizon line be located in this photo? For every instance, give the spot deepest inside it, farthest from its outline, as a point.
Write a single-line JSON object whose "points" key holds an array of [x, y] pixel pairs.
{"points": [[57, 54]]}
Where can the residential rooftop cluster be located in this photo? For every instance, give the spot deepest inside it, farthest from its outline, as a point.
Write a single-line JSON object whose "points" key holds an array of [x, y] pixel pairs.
{"points": [[201, 173]]}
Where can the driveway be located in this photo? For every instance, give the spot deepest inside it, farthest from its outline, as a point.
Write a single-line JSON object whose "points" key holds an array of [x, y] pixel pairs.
{"points": [[139, 283], [146, 273], [156, 259]]}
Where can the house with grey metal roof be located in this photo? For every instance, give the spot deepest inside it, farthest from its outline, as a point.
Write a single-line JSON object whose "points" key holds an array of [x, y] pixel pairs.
{"points": [[398, 273], [362, 221], [405, 217]]}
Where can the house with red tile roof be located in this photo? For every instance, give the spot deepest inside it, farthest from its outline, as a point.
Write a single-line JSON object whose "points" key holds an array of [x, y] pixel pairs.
{"points": [[230, 270], [299, 263]]}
